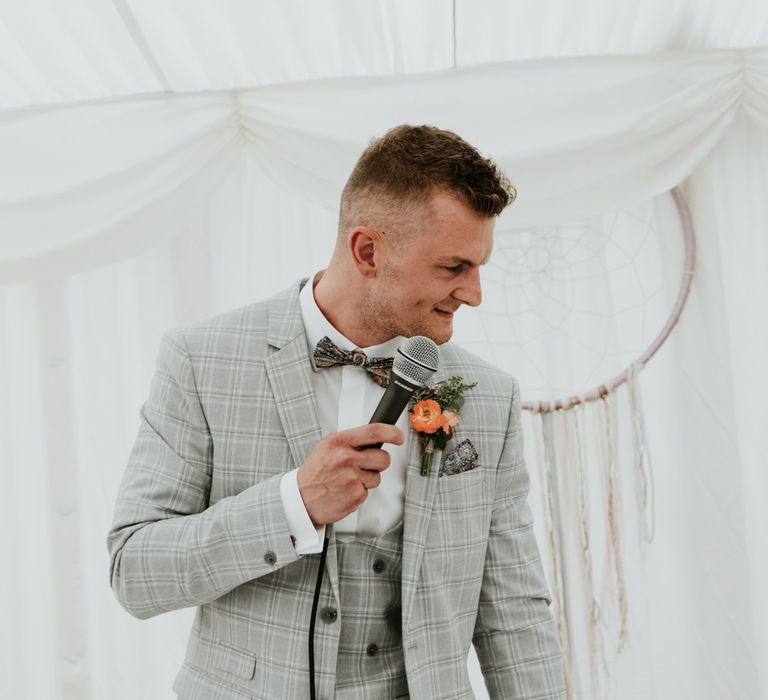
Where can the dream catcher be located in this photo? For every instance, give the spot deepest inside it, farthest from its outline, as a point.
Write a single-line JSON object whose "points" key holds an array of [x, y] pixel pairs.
{"points": [[575, 313]]}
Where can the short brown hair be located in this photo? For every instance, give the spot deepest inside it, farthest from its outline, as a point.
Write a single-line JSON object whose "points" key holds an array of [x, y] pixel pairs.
{"points": [[409, 162]]}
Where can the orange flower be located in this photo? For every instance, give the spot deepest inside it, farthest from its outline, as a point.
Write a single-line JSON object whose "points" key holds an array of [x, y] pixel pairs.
{"points": [[427, 416], [451, 421]]}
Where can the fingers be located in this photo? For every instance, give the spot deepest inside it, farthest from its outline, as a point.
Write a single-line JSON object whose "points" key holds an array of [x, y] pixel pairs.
{"points": [[371, 458], [342, 467], [371, 434], [370, 479]]}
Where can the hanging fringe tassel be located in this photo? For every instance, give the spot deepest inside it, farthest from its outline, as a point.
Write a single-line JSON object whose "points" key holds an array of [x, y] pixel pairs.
{"points": [[562, 479], [644, 484], [566, 459], [613, 505], [554, 533], [591, 605], [548, 506]]}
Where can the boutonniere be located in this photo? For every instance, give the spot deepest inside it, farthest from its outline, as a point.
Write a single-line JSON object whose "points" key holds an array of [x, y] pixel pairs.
{"points": [[435, 413]]}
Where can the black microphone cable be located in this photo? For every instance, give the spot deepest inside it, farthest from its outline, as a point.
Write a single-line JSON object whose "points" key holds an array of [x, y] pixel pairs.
{"points": [[318, 586]]}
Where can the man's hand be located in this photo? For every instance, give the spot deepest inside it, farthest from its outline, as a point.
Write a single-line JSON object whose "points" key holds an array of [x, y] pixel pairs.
{"points": [[335, 479]]}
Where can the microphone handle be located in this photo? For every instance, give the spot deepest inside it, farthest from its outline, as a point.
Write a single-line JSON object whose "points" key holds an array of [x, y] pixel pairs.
{"points": [[395, 399]]}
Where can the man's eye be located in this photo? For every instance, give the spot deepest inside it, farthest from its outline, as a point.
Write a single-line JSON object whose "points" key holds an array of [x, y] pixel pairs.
{"points": [[455, 268]]}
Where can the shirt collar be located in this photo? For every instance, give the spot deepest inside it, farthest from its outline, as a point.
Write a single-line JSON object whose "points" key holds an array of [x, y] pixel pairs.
{"points": [[317, 326]]}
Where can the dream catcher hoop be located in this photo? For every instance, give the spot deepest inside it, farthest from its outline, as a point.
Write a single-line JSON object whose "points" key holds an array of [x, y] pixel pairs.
{"points": [[689, 265]]}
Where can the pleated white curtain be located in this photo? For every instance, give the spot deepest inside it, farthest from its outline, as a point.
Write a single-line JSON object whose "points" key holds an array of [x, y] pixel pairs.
{"points": [[122, 217]]}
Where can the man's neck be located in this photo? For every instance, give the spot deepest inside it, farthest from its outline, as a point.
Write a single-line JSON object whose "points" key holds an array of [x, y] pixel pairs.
{"points": [[335, 296]]}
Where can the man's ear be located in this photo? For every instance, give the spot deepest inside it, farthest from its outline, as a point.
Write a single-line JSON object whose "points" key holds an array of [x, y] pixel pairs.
{"points": [[364, 246]]}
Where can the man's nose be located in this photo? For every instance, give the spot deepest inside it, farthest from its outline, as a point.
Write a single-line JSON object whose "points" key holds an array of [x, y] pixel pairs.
{"points": [[470, 291]]}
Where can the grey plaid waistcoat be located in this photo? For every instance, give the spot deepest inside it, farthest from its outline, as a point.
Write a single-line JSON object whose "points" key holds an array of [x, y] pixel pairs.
{"points": [[370, 663]]}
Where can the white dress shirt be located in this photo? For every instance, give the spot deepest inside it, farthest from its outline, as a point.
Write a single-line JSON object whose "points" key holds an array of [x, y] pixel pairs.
{"points": [[346, 398]]}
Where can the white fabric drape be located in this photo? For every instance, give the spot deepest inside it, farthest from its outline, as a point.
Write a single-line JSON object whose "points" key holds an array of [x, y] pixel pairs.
{"points": [[85, 185], [727, 385], [53, 53], [121, 218]]}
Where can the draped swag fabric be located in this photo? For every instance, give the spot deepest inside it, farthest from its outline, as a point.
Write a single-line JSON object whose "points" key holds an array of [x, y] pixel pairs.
{"points": [[116, 175], [121, 217]]}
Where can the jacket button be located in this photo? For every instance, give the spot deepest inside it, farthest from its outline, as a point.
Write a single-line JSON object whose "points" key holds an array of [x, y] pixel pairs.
{"points": [[379, 566], [270, 558], [328, 615], [372, 650]]}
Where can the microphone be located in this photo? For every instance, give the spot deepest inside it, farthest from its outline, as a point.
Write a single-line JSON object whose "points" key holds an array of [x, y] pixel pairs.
{"points": [[415, 362]]}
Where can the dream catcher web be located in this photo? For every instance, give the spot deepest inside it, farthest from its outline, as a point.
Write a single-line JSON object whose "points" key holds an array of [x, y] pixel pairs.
{"points": [[575, 312]]}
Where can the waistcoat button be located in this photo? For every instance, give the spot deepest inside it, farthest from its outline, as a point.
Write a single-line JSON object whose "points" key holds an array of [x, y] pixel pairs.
{"points": [[270, 558], [379, 566], [372, 650], [328, 615]]}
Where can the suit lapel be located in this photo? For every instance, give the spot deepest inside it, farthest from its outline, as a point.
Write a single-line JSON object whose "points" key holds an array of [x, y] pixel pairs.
{"points": [[290, 377], [289, 372], [419, 496]]}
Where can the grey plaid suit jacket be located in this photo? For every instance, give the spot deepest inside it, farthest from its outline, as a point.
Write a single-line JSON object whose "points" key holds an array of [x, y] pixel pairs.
{"points": [[199, 522]]}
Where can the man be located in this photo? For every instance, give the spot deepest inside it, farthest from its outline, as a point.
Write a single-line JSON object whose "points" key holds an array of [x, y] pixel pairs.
{"points": [[250, 454]]}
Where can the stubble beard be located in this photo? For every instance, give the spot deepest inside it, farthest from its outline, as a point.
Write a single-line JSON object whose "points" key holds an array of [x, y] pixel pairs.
{"points": [[381, 316], [376, 315]]}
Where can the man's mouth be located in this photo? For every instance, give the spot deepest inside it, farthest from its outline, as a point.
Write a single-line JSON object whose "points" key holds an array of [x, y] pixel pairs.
{"points": [[444, 314]]}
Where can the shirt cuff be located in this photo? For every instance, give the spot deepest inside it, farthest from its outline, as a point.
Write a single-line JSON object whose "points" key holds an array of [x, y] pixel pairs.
{"points": [[308, 539]]}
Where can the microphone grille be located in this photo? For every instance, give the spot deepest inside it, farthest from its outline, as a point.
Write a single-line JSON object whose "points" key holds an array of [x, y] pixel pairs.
{"points": [[417, 359]]}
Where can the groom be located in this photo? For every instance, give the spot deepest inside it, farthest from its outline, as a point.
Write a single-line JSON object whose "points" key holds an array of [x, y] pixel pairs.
{"points": [[252, 450]]}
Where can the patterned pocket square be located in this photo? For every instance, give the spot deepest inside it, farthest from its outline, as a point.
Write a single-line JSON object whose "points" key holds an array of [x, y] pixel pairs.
{"points": [[461, 459]]}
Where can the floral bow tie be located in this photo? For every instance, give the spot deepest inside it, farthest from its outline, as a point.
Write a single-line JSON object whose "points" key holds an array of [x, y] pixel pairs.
{"points": [[328, 354]]}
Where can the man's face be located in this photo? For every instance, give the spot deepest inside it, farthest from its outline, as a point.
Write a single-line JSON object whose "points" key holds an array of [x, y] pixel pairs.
{"points": [[433, 272]]}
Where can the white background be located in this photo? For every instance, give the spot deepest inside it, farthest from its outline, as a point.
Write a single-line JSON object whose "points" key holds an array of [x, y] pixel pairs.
{"points": [[162, 161]]}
